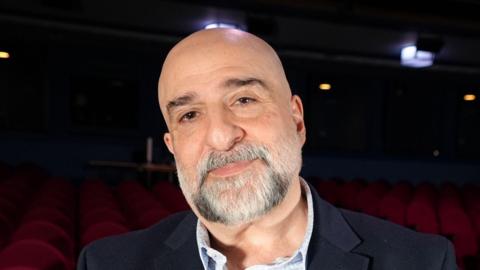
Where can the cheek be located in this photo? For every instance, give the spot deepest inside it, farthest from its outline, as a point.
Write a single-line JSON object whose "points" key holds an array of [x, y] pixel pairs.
{"points": [[187, 137], [188, 131], [187, 151], [270, 127], [252, 112]]}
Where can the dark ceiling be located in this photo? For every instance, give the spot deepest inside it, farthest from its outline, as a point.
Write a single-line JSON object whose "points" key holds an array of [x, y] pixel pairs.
{"points": [[351, 31]]}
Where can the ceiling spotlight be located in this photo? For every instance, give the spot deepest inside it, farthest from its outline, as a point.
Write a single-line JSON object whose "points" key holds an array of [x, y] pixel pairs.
{"points": [[220, 25], [423, 53], [412, 57], [325, 86], [469, 97], [4, 55]]}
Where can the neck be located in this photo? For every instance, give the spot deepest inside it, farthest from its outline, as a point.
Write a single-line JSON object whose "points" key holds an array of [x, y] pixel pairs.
{"points": [[276, 234]]}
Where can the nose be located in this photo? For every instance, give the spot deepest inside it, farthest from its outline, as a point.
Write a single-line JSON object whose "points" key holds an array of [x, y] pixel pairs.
{"points": [[223, 133]]}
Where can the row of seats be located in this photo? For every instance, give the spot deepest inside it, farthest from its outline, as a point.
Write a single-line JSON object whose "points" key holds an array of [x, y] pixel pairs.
{"points": [[448, 210], [38, 214], [129, 206], [100, 214], [45, 221]]}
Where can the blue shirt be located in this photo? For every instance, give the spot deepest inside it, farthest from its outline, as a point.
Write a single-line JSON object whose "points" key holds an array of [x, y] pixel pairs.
{"points": [[212, 259]]}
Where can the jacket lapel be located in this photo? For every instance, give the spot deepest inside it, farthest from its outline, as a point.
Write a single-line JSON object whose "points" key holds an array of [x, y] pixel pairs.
{"points": [[331, 246], [330, 257], [333, 240], [183, 252]]}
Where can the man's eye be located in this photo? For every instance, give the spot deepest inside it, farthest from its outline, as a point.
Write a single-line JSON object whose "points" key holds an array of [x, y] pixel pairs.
{"points": [[189, 116], [245, 100]]}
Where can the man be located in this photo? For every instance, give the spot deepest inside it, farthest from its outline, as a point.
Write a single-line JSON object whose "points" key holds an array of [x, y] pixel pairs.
{"points": [[236, 133]]}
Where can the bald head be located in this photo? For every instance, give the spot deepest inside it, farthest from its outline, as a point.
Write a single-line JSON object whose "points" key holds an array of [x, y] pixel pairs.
{"points": [[222, 91], [201, 58]]}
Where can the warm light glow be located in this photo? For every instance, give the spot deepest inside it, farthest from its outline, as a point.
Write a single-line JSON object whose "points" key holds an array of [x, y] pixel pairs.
{"points": [[4, 55], [469, 97], [325, 86]]}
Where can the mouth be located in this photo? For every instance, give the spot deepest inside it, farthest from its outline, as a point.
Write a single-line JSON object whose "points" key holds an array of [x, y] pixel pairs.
{"points": [[231, 168]]}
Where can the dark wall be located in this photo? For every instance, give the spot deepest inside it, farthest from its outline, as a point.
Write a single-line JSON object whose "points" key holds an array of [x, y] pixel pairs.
{"points": [[67, 99]]}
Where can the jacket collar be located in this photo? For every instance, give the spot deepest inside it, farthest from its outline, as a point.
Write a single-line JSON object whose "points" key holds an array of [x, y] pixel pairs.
{"points": [[331, 246], [183, 251], [333, 240]]}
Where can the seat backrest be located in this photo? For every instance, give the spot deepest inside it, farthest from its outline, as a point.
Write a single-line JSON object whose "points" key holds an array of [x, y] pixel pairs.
{"points": [[52, 215], [151, 217], [101, 215], [48, 233], [101, 230], [32, 254]]}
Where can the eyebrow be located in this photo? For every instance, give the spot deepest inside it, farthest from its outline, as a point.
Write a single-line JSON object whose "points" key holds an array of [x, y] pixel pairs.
{"points": [[180, 101], [230, 83], [237, 82]]}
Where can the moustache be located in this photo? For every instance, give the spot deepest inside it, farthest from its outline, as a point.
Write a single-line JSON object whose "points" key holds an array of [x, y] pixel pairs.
{"points": [[244, 152]]}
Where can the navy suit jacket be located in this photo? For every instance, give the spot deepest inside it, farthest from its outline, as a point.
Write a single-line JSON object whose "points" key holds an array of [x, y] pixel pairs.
{"points": [[341, 239]]}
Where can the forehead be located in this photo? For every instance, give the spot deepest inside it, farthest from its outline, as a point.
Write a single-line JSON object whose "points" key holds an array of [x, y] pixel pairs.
{"points": [[213, 64], [206, 60]]}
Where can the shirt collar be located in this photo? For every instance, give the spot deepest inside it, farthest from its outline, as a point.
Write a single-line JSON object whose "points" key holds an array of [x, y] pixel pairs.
{"points": [[209, 254]]}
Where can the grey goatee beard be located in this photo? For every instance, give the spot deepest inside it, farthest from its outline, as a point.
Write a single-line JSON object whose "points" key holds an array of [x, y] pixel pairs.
{"points": [[247, 196]]}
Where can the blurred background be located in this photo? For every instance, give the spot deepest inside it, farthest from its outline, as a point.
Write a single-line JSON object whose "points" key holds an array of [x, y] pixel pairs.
{"points": [[391, 94]]}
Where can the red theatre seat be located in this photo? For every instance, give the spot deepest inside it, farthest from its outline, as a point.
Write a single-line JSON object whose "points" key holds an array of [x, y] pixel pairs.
{"points": [[151, 217], [466, 247], [21, 268], [91, 204], [33, 254], [66, 208], [421, 214], [453, 218], [52, 215], [170, 196], [394, 205], [6, 227], [101, 230], [328, 190], [347, 194], [368, 199], [101, 215], [48, 233], [8, 208]]}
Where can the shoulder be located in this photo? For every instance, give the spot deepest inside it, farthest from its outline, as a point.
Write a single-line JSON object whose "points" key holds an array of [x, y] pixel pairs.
{"points": [[393, 244], [375, 229], [126, 251], [144, 238]]}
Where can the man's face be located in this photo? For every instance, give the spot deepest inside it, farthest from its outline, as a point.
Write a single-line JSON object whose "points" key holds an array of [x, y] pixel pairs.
{"points": [[235, 131]]}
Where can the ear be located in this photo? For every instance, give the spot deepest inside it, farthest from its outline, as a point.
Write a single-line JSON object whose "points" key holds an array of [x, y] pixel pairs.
{"points": [[167, 138], [297, 113]]}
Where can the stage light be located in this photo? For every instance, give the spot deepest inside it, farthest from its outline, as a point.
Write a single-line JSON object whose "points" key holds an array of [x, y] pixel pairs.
{"points": [[412, 57], [220, 25], [4, 55], [469, 97], [325, 86]]}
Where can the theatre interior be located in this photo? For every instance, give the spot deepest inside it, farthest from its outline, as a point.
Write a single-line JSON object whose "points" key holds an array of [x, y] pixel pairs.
{"points": [[391, 95]]}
